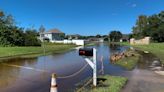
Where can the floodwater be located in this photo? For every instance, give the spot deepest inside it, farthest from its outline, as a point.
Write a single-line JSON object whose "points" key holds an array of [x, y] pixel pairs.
{"points": [[34, 74]]}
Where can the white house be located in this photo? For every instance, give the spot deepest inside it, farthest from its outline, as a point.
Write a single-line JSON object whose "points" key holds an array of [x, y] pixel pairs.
{"points": [[52, 35], [57, 36]]}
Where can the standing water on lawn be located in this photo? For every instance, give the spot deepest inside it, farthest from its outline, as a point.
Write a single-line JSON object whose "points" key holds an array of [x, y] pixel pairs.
{"points": [[34, 74]]}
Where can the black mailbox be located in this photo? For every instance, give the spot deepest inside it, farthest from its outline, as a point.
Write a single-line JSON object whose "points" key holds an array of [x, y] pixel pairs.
{"points": [[86, 51]]}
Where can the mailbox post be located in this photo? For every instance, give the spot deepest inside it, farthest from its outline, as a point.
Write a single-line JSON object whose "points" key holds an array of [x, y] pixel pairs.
{"points": [[90, 52], [95, 68]]}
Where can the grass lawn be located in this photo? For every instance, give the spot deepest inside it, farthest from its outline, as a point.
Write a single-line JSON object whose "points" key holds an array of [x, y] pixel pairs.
{"points": [[33, 51], [155, 48], [111, 84], [120, 43], [124, 43], [91, 44], [128, 62]]}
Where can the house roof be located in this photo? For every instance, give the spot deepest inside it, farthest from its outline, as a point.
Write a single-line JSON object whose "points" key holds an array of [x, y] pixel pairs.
{"points": [[54, 31]]}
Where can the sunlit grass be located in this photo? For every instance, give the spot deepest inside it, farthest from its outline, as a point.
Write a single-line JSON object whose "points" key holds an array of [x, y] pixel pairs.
{"points": [[155, 48], [111, 84], [33, 51]]}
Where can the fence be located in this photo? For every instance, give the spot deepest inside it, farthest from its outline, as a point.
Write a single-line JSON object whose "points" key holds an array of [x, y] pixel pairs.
{"points": [[77, 42], [144, 41]]}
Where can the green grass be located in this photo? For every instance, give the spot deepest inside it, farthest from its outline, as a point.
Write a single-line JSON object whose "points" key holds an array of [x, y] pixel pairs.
{"points": [[128, 62], [33, 51], [155, 48], [91, 44], [124, 43], [111, 84]]}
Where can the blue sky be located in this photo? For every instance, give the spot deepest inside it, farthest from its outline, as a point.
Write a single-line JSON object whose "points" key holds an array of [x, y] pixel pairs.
{"points": [[85, 17]]}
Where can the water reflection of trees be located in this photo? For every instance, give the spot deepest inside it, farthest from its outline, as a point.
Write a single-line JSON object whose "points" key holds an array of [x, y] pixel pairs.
{"points": [[9, 74], [114, 48], [20, 61], [117, 48]]}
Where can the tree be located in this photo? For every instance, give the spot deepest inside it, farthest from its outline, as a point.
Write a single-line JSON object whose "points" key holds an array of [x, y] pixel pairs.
{"points": [[158, 35], [1, 13], [98, 36], [140, 26], [11, 35], [5, 39], [115, 36], [17, 36], [31, 38], [42, 29], [152, 26]]}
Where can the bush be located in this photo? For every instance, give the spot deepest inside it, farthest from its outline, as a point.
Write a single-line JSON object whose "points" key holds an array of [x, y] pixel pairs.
{"points": [[31, 38]]}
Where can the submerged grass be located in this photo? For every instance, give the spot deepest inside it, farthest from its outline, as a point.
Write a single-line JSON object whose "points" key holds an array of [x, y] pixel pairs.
{"points": [[111, 84], [128, 62], [33, 51]]}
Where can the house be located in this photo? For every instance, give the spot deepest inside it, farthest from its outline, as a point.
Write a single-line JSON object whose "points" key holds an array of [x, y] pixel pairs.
{"points": [[125, 38], [75, 36], [53, 35], [95, 39], [56, 36]]}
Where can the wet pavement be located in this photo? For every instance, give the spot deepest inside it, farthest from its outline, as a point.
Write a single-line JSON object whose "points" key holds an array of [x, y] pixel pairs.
{"points": [[144, 81], [142, 78]]}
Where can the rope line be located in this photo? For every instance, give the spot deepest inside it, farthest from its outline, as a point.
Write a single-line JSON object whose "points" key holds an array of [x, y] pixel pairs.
{"points": [[74, 74], [60, 77]]}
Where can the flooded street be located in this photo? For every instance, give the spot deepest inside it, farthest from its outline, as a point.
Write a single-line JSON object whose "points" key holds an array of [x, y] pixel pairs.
{"points": [[34, 74]]}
